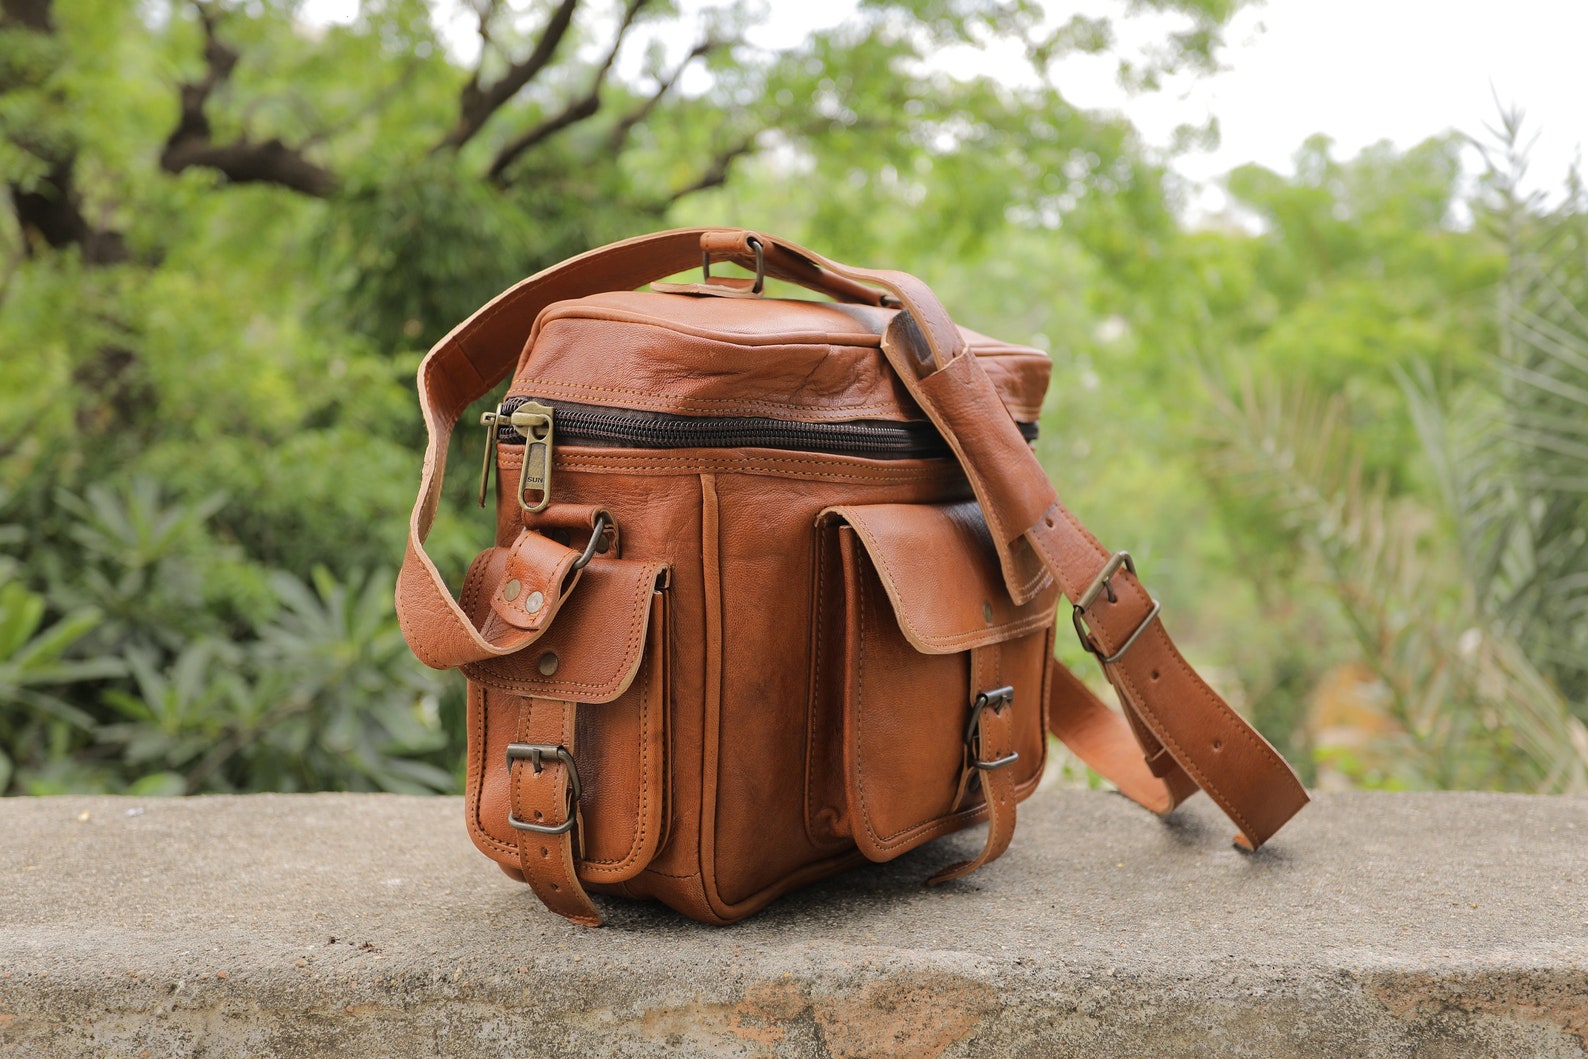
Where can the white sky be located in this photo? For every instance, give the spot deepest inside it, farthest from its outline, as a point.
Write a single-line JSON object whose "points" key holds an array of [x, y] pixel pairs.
{"points": [[1358, 71]]}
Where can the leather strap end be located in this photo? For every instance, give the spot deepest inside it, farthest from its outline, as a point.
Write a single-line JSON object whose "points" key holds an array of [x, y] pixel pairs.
{"points": [[995, 742], [544, 796], [536, 578]]}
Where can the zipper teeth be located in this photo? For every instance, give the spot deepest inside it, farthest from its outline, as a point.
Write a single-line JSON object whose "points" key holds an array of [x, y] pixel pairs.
{"points": [[575, 423]]}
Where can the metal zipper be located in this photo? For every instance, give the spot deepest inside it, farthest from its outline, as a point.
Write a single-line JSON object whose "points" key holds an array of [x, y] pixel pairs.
{"points": [[580, 424], [870, 438]]}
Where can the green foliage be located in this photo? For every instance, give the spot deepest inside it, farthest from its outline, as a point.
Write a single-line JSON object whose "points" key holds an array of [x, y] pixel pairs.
{"points": [[34, 671], [180, 667], [1477, 711], [1466, 600], [1510, 452], [243, 230]]}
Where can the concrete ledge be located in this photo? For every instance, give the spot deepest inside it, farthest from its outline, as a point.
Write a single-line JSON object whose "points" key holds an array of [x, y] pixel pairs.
{"points": [[1377, 924]]}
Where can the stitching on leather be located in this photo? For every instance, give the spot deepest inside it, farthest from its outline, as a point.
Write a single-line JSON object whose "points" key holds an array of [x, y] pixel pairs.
{"points": [[648, 399], [635, 626], [989, 511], [860, 702], [569, 865], [1010, 630], [615, 314], [1039, 577], [1049, 559], [431, 660], [422, 649], [617, 865], [944, 825], [818, 638], [476, 824], [491, 311], [1206, 694], [916, 832], [1185, 761]]}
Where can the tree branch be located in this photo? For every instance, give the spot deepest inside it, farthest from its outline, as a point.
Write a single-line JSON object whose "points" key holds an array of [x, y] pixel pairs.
{"points": [[243, 161], [716, 174], [579, 110], [29, 14], [50, 208], [477, 104], [626, 124]]}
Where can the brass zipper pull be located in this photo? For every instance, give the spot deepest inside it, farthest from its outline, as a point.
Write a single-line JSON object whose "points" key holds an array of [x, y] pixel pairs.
{"points": [[491, 422], [534, 421]]}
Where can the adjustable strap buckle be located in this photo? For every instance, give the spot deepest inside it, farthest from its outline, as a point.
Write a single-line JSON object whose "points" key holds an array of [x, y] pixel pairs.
{"points": [[996, 700], [535, 754], [1100, 585]]}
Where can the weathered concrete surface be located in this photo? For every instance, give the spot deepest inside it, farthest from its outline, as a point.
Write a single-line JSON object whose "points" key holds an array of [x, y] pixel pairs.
{"points": [[1376, 925]]}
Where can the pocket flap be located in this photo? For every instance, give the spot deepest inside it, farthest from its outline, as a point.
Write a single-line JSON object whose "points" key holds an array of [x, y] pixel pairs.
{"points": [[593, 648], [940, 571]]}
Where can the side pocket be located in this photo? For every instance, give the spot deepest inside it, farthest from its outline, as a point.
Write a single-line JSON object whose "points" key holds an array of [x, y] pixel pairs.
{"points": [[926, 627], [608, 651]]}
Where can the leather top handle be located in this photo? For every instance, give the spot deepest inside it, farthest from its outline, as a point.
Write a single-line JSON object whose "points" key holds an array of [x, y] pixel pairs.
{"points": [[1185, 728]]}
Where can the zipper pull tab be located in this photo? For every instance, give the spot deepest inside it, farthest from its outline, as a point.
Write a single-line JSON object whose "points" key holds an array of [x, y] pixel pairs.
{"points": [[534, 421], [491, 421]]}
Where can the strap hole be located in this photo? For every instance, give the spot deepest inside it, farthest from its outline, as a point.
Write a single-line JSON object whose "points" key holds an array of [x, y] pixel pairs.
{"points": [[1218, 744], [1155, 674], [556, 888], [544, 852], [539, 815]]}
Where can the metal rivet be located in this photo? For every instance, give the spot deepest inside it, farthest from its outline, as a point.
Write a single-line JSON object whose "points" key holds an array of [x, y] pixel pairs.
{"points": [[510, 590], [986, 613], [548, 664], [534, 602]]}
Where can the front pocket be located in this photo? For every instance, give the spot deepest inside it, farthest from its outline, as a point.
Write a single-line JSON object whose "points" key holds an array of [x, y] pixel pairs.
{"points": [[608, 651], [926, 627]]}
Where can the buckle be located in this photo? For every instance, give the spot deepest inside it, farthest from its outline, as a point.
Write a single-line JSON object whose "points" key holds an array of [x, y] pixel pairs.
{"points": [[1101, 584], [995, 700], [536, 753]]}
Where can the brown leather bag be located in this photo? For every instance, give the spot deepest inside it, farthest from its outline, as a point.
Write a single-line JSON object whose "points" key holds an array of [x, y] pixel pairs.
{"points": [[774, 586]]}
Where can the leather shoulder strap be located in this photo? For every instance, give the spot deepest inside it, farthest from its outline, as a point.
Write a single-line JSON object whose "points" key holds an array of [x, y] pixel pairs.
{"points": [[1185, 728], [1171, 709]]}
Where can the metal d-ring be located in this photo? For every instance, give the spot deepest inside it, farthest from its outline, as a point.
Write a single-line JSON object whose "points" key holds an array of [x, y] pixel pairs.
{"points": [[602, 524], [760, 264]]}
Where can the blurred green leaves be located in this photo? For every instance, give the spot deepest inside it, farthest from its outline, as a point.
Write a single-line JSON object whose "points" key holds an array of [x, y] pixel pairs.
{"points": [[208, 440], [179, 668]]}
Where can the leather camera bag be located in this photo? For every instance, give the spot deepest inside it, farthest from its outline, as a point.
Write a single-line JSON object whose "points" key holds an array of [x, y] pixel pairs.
{"points": [[774, 586]]}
